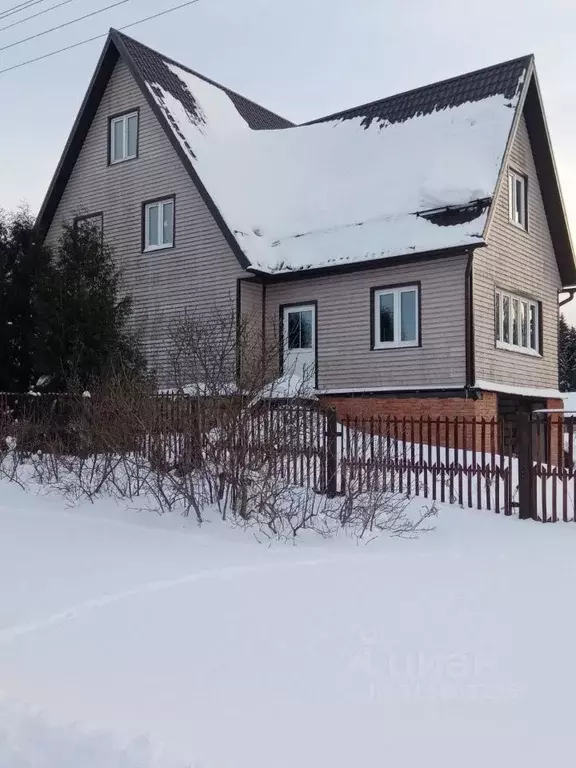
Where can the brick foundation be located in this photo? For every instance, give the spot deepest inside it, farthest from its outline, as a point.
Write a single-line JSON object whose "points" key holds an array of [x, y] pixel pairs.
{"points": [[415, 407], [418, 410], [390, 413], [556, 432]]}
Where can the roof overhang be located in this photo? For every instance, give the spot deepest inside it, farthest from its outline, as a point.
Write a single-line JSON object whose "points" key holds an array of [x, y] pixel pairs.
{"points": [[98, 83], [343, 268], [115, 49], [531, 106], [549, 182]]}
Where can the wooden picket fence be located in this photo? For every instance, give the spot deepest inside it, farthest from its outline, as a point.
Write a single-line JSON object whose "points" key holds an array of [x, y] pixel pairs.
{"points": [[447, 460], [523, 465]]}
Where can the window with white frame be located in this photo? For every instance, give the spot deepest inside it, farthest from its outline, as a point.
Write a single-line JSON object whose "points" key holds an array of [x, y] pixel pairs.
{"points": [[396, 317], [92, 222], [517, 194], [159, 224], [517, 323], [124, 137]]}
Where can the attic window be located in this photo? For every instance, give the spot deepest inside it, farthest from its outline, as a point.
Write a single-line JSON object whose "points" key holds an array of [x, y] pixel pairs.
{"points": [[92, 223], [518, 199], [123, 137]]}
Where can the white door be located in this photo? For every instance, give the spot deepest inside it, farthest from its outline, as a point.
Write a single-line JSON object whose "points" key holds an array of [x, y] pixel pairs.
{"points": [[299, 342]]}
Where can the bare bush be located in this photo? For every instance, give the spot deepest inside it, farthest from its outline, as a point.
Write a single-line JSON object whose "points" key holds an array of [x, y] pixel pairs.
{"points": [[230, 437]]}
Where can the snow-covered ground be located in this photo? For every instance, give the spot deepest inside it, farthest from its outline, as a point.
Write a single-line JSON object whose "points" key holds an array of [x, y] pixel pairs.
{"points": [[133, 641]]}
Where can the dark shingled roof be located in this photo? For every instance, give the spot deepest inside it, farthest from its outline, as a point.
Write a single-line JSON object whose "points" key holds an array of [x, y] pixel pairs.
{"points": [[152, 66], [503, 79], [149, 67]]}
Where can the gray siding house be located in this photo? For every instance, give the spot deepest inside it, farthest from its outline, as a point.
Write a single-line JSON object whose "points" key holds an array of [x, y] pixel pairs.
{"points": [[410, 251]]}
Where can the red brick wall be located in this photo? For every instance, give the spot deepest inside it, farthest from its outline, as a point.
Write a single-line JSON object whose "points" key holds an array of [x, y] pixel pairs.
{"points": [[556, 431], [415, 409]]}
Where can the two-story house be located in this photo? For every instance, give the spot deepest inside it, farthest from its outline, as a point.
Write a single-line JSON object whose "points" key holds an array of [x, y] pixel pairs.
{"points": [[411, 250]]}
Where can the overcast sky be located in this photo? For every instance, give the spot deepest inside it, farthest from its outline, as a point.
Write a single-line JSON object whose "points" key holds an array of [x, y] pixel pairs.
{"points": [[300, 58]]}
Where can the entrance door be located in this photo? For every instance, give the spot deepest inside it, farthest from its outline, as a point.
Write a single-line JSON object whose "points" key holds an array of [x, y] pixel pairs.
{"points": [[299, 342]]}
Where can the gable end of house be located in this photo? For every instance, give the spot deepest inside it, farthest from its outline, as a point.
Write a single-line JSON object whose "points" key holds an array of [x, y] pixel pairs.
{"points": [[136, 56]]}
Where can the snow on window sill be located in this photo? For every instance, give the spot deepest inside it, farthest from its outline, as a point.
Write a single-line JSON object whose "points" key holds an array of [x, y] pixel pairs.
{"points": [[396, 345], [520, 350]]}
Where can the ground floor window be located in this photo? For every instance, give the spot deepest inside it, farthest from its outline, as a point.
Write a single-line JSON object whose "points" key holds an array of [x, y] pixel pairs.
{"points": [[517, 323], [396, 317]]}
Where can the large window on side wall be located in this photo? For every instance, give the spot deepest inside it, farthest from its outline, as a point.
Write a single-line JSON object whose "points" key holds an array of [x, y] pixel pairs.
{"points": [[396, 316], [518, 323]]}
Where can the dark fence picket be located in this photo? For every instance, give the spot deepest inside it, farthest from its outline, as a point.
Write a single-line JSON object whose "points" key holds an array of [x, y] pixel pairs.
{"points": [[554, 478], [469, 460], [543, 493]]}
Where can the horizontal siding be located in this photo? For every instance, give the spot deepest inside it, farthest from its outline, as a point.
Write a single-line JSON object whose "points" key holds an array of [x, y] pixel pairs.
{"points": [[250, 339], [345, 360], [200, 272], [517, 261], [251, 298]]}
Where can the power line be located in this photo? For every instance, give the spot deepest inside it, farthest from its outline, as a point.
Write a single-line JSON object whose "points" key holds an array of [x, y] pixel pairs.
{"points": [[65, 24], [97, 37], [35, 15], [19, 8]]}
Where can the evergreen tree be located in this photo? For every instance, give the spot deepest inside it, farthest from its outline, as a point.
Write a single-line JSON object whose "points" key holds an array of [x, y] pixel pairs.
{"points": [[61, 313], [84, 318], [567, 356], [25, 266]]}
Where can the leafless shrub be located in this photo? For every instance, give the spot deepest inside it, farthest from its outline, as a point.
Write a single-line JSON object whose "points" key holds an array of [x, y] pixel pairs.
{"points": [[230, 436]]}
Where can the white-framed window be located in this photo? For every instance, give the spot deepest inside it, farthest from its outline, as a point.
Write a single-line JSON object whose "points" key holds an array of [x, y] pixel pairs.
{"points": [[396, 317], [159, 224], [517, 323], [124, 137], [92, 222], [518, 199]]}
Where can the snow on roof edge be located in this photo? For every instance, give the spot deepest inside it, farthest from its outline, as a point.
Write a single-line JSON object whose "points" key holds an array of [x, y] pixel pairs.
{"points": [[272, 243]]}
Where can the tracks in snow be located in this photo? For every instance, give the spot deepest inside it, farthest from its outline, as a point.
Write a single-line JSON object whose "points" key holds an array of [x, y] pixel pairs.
{"points": [[17, 631]]}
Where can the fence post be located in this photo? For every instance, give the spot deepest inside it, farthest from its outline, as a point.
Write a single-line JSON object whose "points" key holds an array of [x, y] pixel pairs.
{"points": [[331, 453], [526, 484]]}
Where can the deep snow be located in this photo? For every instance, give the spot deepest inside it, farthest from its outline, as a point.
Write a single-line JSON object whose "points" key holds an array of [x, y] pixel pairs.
{"points": [[123, 634]]}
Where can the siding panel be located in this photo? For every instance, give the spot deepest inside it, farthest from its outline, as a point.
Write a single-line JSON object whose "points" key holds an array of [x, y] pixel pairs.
{"points": [[345, 360], [200, 272], [517, 261]]}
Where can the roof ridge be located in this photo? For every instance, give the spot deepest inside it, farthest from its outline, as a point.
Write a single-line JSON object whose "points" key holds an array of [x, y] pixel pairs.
{"points": [[224, 88], [528, 58]]}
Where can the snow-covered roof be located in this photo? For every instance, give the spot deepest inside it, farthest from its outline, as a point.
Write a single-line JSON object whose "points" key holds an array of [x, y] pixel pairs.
{"points": [[345, 189], [410, 173]]}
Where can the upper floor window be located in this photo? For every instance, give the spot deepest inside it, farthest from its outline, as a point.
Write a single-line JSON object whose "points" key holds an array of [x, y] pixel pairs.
{"points": [[159, 224], [517, 323], [91, 222], [396, 316], [124, 137], [518, 199]]}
